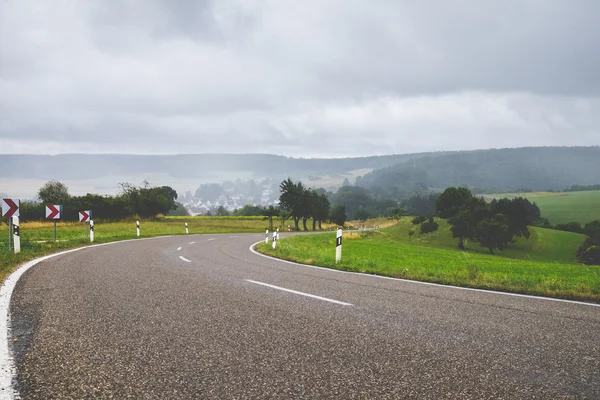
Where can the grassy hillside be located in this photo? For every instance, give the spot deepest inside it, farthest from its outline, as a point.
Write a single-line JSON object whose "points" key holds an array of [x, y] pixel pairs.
{"points": [[561, 208], [541, 265]]}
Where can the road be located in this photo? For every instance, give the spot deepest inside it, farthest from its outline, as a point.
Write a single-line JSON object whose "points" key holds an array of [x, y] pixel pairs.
{"points": [[192, 317]]}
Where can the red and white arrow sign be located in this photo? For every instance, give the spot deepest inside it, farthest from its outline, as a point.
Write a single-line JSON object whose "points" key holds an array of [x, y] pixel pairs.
{"points": [[10, 208], [52, 212], [84, 216]]}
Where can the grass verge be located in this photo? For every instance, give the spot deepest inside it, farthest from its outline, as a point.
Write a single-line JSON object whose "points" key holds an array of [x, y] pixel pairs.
{"points": [[373, 252]]}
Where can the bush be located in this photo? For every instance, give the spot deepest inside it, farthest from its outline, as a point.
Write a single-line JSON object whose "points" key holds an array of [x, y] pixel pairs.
{"points": [[589, 252]]}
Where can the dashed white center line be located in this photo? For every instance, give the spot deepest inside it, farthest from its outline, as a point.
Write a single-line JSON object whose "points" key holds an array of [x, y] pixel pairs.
{"points": [[192, 242], [179, 248], [211, 239], [232, 236], [299, 293], [185, 259]]}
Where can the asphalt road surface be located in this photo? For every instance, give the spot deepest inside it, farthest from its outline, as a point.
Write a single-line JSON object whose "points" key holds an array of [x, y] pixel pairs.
{"points": [[192, 317]]}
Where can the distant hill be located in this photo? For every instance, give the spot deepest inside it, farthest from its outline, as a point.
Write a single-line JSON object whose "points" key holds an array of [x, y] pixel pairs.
{"points": [[84, 166], [21, 174], [492, 171], [506, 170]]}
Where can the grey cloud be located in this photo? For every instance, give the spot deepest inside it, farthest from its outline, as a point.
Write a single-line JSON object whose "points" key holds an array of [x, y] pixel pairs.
{"points": [[302, 78]]}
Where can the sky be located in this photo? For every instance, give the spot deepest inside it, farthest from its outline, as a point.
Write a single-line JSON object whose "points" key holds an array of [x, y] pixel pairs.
{"points": [[311, 78]]}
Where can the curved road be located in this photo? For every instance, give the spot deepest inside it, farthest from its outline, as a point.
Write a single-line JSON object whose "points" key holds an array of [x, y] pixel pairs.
{"points": [[192, 317]]}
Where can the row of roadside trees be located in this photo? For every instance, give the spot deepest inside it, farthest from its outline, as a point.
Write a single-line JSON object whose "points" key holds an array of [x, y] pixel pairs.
{"points": [[302, 203], [143, 201]]}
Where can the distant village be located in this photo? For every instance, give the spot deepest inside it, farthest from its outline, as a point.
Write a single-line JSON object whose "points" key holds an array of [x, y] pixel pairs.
{"points": [[213, 198]]}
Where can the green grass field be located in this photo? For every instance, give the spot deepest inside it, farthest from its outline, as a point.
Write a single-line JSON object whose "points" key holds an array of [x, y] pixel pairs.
{"points": [[37, 237], [561, 208], [541, 265]]}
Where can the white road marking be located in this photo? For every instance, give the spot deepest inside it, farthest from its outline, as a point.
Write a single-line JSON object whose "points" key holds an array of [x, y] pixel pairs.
{"points": [[527, 296], [179, 248], [211, 239], [191, 242], [300, 293], [232, 236], [184, 259]]}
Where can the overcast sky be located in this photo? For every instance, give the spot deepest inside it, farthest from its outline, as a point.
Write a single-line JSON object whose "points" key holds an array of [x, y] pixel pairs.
{"points": [[299, 78]]}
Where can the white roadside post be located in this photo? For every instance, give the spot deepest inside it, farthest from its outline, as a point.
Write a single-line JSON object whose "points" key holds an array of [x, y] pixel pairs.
{"points": [[338, 245], [137, 226], [274, 240], [16, 235], [187, 231], [267, 236], [91, 230]]}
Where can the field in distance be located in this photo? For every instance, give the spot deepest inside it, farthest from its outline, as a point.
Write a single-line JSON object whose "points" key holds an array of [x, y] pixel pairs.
{"points": [[542, 265], [562, 207]]}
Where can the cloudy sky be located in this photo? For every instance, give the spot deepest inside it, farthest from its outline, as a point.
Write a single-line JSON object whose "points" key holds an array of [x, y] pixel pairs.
{"points": [[299, 78]]}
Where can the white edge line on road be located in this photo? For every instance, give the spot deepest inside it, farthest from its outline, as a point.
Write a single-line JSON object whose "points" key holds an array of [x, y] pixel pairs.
{"points": [[179, 248], [527, 296], [184, 259], [299, 293], [192, 243], [7, 368], [212, 239]]}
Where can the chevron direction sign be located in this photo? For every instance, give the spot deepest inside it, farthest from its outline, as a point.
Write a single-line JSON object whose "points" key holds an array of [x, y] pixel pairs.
{"points": [[10, 208], [53, 211], [84, 216]]}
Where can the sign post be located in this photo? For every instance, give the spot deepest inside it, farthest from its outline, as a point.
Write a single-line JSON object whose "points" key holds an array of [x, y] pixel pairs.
{"points": [[16, 234], [53, 212], [10, 208], [91, 231], [137, 225], [267, 236], [274, 240], [187, 231], [338, 245]]}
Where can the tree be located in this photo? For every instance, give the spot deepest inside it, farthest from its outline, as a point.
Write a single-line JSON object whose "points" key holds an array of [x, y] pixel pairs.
{"points": [[589, 252], [397, 213], [519, 213], [179, 210], [493, 233], [418, 220], [284, 215], [570, 227], [292, 198], [592, 229], [463, 224], [320, 208], [222, 211], [249, 210], [269, 213], [337, 215], [148, 201], [53, 192], [429, 226], [361, 214], [451, 201]]}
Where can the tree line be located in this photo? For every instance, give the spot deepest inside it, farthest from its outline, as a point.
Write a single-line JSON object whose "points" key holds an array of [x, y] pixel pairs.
{"points": [[143, 201]]}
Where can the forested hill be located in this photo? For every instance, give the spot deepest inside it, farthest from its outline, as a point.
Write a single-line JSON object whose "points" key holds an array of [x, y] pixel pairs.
{"points": [[504, 170], [80, 166]]}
